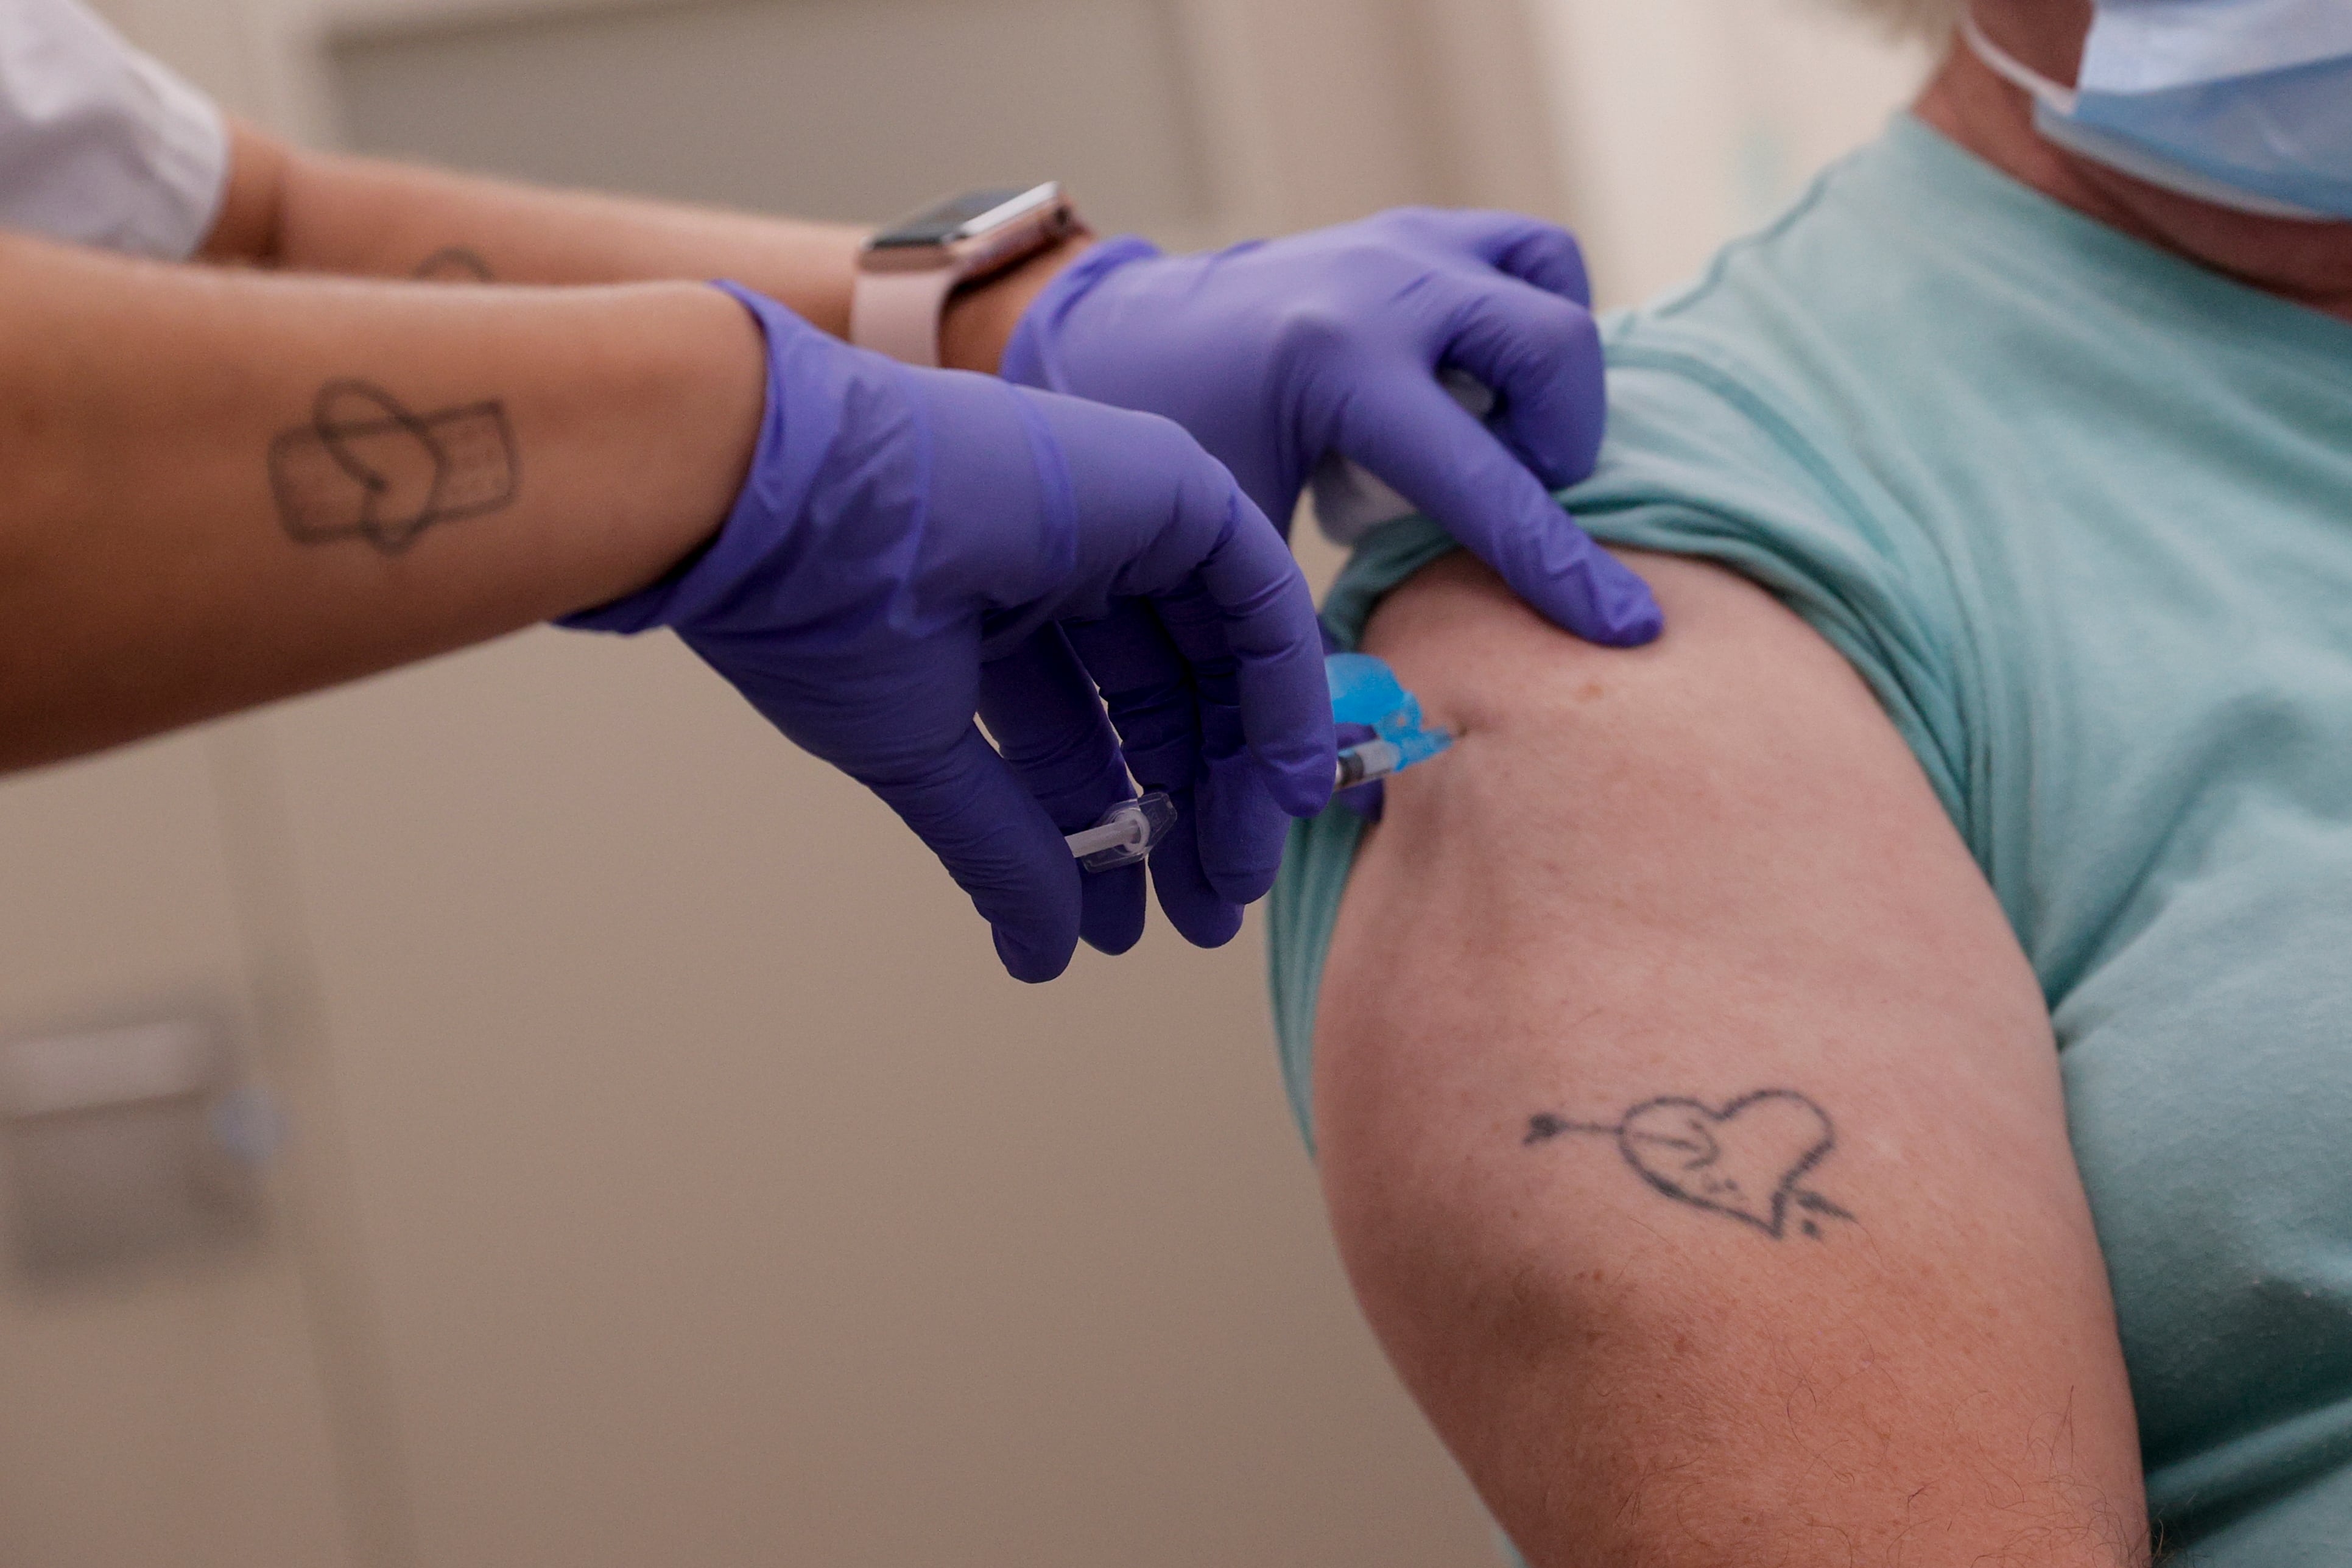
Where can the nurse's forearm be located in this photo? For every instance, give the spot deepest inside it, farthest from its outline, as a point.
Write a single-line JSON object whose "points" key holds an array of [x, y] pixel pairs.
{"points": [[312, 212], [221, 489]]}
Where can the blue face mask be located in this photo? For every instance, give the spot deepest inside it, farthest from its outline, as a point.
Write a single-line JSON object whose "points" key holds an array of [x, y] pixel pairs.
{"points": [[2243, 103]]}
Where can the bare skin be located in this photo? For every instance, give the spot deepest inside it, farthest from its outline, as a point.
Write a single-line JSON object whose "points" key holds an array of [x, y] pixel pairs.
{"points": [[186, 527], [170, 511], [1688, 1114], [1563, 1093], [360, 217]]}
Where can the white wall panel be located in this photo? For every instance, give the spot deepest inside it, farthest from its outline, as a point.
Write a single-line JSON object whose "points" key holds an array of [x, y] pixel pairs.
{"points": [[169, 1408], [832, 108]]}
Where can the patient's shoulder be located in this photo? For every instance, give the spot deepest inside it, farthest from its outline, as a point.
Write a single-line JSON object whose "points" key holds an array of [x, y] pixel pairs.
{"points": [[1498, 662], [1709, 876], [1730, 805], [1741, 718]]}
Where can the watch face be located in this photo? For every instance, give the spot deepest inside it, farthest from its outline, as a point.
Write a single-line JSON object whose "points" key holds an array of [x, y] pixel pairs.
{"points": [[954, 218]]}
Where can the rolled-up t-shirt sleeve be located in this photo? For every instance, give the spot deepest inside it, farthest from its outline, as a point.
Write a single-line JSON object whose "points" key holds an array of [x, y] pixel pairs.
{"points": [[1703, 463], [99, 144]]}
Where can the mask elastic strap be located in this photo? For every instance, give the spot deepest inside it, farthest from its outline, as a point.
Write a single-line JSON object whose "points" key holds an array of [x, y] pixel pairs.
{"points": [[2056, 104], [2010, 68]]}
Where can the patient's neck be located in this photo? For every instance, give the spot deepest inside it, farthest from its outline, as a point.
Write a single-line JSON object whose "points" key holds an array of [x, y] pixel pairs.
{"points": [[2310, 264]]}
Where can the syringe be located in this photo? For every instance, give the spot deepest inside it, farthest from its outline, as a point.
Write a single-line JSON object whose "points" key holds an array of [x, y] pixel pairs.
{"points": [[1369, 763], [1364, 693], [1126, 833]]}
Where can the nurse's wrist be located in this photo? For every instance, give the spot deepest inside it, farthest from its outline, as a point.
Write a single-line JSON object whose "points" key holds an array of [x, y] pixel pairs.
{"points": [[697, 397], [247, 223], [980, 319]]}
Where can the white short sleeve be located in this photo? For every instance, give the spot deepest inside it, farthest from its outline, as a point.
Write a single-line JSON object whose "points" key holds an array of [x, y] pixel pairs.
{"points": [[99, 143]]}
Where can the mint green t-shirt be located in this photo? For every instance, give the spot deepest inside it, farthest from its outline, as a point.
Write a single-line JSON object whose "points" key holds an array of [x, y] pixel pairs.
{"points": [[2081, 513]]}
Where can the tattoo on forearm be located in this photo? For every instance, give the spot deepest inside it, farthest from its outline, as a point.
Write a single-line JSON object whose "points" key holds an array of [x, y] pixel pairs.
{"points": [[1748, 1160], [455, 264], [365, 468]]}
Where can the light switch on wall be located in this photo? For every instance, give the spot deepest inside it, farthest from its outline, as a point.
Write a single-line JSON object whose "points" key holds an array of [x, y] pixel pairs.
{"points": [[128, 1143]]}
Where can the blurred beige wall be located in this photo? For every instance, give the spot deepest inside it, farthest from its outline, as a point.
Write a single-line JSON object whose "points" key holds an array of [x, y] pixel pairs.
{"points": [[1677, 123], [672, 1175]]}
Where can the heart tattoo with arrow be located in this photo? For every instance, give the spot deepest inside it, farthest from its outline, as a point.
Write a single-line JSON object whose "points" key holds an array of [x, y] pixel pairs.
{"points": [[1747, 1160]]}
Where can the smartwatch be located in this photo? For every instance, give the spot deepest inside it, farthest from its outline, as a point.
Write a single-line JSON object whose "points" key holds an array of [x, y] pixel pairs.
{"points": [[907, 270]]}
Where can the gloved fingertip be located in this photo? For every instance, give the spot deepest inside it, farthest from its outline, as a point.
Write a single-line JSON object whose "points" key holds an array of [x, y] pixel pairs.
{"points": [[1192, 907], [1629, 610], [1028, 963], [1301, 790], [1243, 885], [1209, 925], [1113, 939], [1601, 600], [1111, 919], [1199, 915], [1367, 801], [1632, 625], [1611, 628]]}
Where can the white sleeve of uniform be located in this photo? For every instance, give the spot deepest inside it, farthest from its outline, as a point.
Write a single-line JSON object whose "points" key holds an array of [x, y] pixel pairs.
{"points": [[99, 143]]}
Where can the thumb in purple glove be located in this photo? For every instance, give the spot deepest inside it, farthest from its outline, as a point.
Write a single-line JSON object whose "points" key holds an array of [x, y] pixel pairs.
{"points": [[1279, 354]]}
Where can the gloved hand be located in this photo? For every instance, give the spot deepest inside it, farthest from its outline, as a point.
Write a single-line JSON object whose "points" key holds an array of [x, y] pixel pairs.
{"points": [[1273, 354], [912, 547]]}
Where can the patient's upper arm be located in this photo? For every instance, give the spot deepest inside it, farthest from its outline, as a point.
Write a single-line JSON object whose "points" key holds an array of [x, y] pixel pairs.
{"points": [[1690, 1119]]}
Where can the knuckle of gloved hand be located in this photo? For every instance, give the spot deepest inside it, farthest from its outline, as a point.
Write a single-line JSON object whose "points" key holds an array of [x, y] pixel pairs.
{"points": [[1162, 759], [1312, 333], [1170, 765], [1579, 450], [1211, 503], [1570, 251], [1162, 446], [1414, 218], [1584, 346], [1059, 760], [1542, 340], [991, 858], [1536, 235], [1565, 331], [1150, 461]]}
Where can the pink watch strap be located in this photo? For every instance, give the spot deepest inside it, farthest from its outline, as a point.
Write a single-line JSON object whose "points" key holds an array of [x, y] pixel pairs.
{"points": [[898, 313]]}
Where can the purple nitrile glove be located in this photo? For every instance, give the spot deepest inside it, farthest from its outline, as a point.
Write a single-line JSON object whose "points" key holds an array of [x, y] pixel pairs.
{"points": [[915, 546], [1276, 353]]}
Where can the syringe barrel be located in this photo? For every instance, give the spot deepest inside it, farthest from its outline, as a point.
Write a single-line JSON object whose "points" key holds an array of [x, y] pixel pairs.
{"points": [[1368, 763]]}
